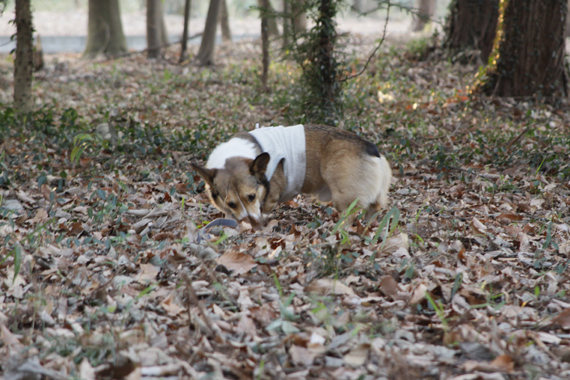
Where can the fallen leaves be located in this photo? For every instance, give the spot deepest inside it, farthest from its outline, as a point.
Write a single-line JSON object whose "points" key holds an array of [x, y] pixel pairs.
{"points": [[127, 270]]}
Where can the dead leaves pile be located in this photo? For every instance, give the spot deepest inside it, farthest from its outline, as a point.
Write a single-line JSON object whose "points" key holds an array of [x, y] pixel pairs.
{"points": [[116, 275]]}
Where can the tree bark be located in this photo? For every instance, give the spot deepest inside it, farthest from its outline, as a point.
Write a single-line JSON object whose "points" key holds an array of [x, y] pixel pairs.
{"points": [[286, 24], [104, 29], [357, 6], [299, 16], [272, 28], [184, 43], [471, 24], [425, 13], [528, 57], [163, 31], [206, 53], [153, 28], [264, 5], [24, 63], [225, 22], [567, 31]]}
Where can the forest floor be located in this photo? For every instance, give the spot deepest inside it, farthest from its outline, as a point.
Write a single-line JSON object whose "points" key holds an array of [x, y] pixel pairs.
{"points": [[107, 271]]}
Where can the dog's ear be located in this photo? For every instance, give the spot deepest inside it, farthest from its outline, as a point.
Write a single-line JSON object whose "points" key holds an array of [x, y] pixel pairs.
{"points": [[206, 174], [259, 165]]}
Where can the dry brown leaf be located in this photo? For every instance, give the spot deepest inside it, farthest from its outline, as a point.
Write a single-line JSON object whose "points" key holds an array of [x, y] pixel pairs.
{"points": [[148, 273], [86, 371], [247, 326], [389, 286], [478, 227], [324, 286], [503, 363], [301, 355], [40, 217], [563, 319], [419, 294], [358, 355], [394, 243], [170, 306], [238, 262]]}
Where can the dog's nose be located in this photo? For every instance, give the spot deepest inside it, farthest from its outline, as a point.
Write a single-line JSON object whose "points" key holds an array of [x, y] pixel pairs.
{"points": [[256, 224]]}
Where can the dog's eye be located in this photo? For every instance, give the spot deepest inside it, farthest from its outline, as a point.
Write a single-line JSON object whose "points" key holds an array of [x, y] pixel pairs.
{"points": [[232, 205], [251, 197]]}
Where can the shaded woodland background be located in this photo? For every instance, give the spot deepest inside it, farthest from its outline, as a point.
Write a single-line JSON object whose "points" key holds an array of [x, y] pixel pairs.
{"points": [[111, 267]]}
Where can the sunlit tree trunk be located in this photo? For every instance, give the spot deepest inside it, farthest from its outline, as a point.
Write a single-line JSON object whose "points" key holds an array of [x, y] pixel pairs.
{"points": [[425, 10], [163, 29], [272, 28], [184, 42], [567, 31], [299, 16], [225, 22], [104, 29], [206, 53], [24, 63], [153, 28], [357, 6], [286, 24], [264, 5], [471, 24], [528, 56]]}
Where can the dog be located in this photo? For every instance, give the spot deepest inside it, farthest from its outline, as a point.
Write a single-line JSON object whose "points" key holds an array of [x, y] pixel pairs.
{"points": [[248, 175]]}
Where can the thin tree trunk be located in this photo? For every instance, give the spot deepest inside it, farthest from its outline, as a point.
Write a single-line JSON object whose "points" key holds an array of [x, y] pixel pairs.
{"points": [[264, 5], [425, 13], [529, 50], [163, 31], [24, 64], [357, 6], [286, 24], [299, 16], [272, 28], [153, 28], [225, 22], [471, 24], [206, 53], [567, 31], [38, 54], [184, 43], [104, 29]]}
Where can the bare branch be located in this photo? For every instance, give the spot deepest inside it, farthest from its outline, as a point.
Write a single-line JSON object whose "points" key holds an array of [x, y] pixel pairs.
{"points": [[375, 49]]}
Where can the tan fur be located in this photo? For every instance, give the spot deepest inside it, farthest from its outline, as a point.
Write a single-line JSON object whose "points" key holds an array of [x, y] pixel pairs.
{"points": [[339, 167]]}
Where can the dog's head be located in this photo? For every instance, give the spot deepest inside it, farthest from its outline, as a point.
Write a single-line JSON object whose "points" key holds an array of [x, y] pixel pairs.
{"points": [[239, 188]]}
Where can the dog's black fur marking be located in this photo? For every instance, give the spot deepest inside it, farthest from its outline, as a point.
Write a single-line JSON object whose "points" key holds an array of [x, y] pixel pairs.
{"points": [[265, 183], [372, 149]]}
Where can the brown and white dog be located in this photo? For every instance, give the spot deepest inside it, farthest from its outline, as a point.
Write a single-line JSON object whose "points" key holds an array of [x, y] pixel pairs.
{"points": [[250, 173]]}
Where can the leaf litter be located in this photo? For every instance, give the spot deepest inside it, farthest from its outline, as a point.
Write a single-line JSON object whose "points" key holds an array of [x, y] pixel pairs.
{"points": [[109, 268]]}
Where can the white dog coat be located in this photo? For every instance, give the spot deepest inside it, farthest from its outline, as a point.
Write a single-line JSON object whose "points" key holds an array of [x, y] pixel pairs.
{"points": [[285, 143]]}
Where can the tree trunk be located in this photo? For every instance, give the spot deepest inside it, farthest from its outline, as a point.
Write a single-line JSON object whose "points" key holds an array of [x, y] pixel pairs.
{"points": [[529, 50], [357, 6], [264, 5], [299, 16], [225, 22], [471, 24], [184, 43], [272, 28], [567, 31], [24, 64], [38, 54], [153, 28], [163, 30], [426, 9], [105, 29], [286, 24], [206, 53]]}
